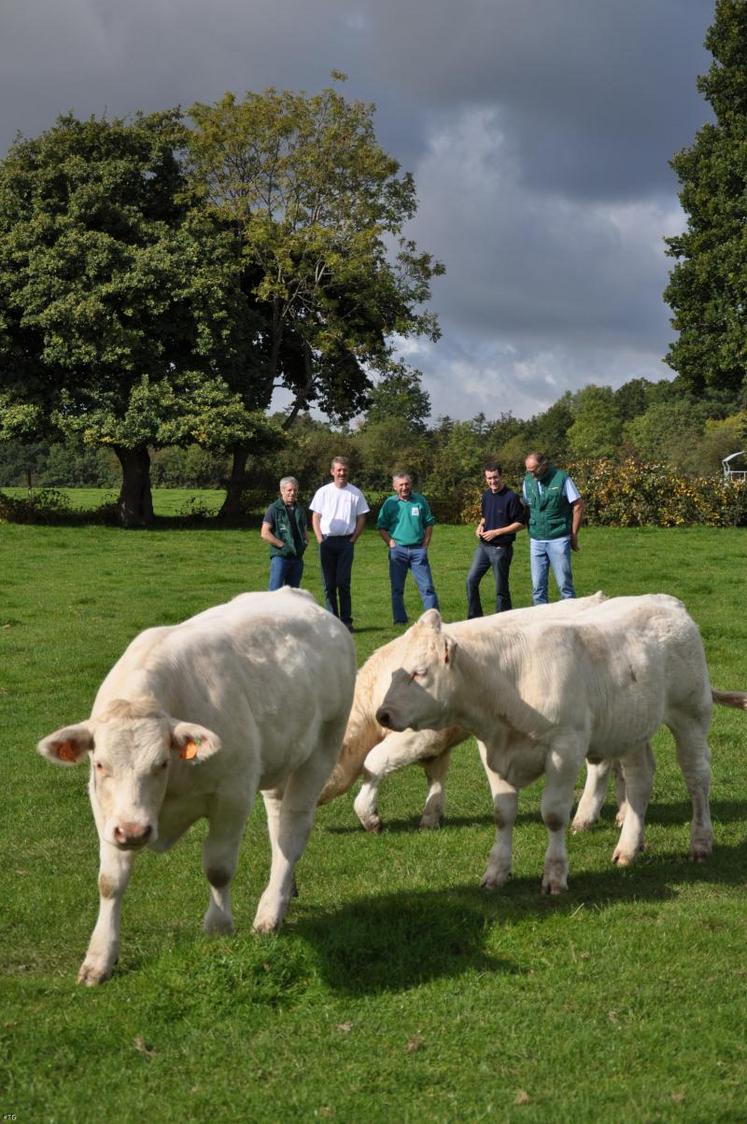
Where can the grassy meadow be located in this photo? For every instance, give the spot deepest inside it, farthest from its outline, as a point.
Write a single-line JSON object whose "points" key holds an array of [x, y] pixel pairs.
{"points": [[397, 990]]}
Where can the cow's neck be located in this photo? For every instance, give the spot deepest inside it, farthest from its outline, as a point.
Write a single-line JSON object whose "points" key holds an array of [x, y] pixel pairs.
{"points": [[487, 692]]}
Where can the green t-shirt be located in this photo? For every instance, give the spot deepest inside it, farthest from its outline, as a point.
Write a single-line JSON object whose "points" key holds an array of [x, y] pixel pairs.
{"points": [[405, 520]]}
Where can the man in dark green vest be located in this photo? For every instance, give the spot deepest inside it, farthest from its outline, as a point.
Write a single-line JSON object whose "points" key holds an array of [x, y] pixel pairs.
{"points": [[284, 528], [555, 509]]}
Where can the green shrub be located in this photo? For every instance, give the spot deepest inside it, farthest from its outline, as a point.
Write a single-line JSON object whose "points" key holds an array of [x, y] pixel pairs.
{"points": [[43, 505]]}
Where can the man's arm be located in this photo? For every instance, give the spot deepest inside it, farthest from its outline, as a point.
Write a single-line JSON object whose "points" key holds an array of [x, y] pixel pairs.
{"points": [[360, 523], [266, 533], [427, 535], [578, 510], [509, 529], [316, 525]]}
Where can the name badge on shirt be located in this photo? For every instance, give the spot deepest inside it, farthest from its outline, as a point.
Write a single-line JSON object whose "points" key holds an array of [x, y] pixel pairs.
{"points": [[415, 511]]}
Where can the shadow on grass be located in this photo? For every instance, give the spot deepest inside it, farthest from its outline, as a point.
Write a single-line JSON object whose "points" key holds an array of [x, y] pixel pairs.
{"points": [[393, 942], [722, 811]]}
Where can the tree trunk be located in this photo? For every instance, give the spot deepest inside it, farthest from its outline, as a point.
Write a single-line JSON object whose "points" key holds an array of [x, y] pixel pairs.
{"points": [[236, 482], [135, 498]]}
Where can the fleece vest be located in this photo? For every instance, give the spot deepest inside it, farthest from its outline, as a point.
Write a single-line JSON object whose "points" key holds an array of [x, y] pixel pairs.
{"points": [[284, 531], [550, 514]]}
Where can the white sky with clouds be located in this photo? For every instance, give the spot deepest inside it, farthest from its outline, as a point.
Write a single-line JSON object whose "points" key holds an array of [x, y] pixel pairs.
{"points": [[538, 131]]}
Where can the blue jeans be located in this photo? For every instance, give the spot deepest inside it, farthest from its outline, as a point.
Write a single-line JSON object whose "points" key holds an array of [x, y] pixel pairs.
{"points": [[414, 558], [285, 571], [543, 554], [486, 557], [336, 558]]}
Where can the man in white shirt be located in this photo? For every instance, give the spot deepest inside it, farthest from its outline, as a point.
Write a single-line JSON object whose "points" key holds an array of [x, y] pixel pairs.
{"points": [[338, 516]]}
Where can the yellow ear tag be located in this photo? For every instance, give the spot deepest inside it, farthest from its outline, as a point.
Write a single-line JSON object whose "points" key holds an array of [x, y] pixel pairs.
{"points": [[190, 749], [66, 752]]}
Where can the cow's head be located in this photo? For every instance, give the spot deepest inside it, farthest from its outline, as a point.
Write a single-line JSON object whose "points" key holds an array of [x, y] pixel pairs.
{"points": [[420, 694], [132, 747]]}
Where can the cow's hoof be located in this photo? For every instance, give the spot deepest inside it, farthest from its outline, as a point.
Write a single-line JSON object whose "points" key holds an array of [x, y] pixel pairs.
{"points": [[553, 888], [265, 925], [430, 823], [373, 825], [217, 926], [582, 824], [626, 858], [93, 974], [700, 854], [494, 879]]}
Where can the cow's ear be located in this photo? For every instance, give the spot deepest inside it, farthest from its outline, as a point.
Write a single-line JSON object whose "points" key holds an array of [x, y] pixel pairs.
{"points": [[67, 746], [431, 618], [192, 742], [450, 649]]}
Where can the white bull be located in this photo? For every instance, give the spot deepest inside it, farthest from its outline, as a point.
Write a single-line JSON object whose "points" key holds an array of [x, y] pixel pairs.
{"points": [[370, 749], [191, 722], [544, 694]]}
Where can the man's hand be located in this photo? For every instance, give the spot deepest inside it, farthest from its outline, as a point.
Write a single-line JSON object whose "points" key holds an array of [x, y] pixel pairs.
{"points": [[574, 542]]}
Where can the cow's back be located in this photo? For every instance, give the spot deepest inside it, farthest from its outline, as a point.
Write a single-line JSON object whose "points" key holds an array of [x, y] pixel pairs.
{"points": [[266, 671]]}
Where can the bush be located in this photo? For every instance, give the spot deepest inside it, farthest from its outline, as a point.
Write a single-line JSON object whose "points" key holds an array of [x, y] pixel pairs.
{"points": [[634, 494], [45, 505]]}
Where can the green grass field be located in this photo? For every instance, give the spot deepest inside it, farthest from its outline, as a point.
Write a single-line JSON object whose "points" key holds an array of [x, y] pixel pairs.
{"points": [[397, 990]]}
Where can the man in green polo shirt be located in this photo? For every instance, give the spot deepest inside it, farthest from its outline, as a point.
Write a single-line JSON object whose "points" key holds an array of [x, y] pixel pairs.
{"points": [[405, 524]]}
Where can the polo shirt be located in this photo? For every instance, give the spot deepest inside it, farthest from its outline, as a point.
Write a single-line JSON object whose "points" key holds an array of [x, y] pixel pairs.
{"points": [[405, 520]]}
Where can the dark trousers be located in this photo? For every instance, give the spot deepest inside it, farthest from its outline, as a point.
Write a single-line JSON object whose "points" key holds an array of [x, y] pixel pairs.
{"points": [[336, 557], [487, 557]]}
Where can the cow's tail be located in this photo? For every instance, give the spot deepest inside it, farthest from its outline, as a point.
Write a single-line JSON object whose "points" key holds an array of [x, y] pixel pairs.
{"points": [[736, 699]]}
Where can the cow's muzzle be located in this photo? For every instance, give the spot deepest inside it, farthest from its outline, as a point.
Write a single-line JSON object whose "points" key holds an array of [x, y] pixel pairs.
{"points": [[130, 836]]}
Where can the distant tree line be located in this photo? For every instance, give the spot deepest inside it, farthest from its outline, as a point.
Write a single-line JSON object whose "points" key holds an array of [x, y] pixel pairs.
{"points": [[650, 422]]}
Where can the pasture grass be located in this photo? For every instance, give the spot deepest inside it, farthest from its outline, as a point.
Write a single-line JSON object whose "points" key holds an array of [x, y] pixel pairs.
{"points": [[397, 990]]}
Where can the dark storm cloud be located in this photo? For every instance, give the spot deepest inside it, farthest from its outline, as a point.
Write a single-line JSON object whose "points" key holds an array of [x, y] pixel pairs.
{"points": [[539, 133]]}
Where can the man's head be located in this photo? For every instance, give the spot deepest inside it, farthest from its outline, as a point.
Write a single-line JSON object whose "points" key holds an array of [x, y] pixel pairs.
{"points": [[402, 484], [339, 470], [289, 489], [537, 464], [493, 476]]}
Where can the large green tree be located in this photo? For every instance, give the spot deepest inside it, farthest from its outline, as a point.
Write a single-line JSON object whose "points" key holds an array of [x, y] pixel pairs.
{"points": [[319, 209], [120, 301], [708, 286]]}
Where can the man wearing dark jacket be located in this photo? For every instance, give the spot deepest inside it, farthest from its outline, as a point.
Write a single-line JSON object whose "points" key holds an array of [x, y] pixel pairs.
{"points": [[502, 517], [284, 528]]}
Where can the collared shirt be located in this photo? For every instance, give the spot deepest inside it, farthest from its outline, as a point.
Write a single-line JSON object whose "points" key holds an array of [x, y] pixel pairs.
{"points": [[405, 520]]}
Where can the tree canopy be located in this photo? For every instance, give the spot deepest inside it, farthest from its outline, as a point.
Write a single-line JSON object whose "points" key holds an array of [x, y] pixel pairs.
{"points": [[117, 299], [707, 290]]}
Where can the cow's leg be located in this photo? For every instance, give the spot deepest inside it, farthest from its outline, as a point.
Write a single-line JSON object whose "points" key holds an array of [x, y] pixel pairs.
{"points": [[592, 798], [220, 853], [435, 769], [638, 775], [115, 867], [622, 804], [694, 757], [561, 769], [394, 752], [505, 805], [290, 815]]}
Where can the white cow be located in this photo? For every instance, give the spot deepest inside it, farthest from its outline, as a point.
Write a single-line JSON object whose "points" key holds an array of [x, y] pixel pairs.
{"points": [[374, 751], [545, 694], [191, 722]]}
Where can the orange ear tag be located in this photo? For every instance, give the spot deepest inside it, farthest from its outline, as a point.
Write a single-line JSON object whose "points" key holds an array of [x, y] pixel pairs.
{"points": [[66, 752], [190, 749]]}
